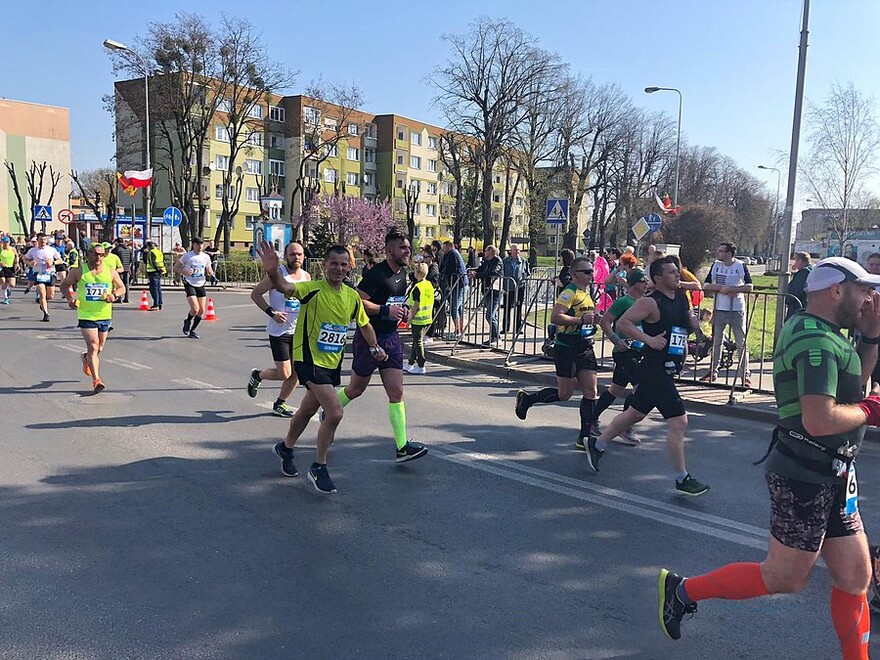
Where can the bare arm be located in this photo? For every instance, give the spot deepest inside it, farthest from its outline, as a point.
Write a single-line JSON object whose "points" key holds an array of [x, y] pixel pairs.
{"points": [[118, 287], [822, 415], [68, 284], [257, 293], [269, 257], [370, 335], [606, 322], [644, 308], [560, 317]]}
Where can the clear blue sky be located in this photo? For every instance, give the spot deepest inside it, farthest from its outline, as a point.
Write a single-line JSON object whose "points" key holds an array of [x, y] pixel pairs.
{"points": [[735, 62]]}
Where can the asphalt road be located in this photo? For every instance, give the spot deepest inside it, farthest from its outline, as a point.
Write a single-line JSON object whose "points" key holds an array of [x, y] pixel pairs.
{"points": [[152, 521]]}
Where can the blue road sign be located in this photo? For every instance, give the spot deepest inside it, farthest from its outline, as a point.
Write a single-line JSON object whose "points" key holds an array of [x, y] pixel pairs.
{"points": [[43, 213], [172, 216], [557, 211], [654, 221]]}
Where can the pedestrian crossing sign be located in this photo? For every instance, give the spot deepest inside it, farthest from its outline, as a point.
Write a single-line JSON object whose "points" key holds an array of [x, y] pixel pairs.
{"points": [[557, 211], [43, 213]]}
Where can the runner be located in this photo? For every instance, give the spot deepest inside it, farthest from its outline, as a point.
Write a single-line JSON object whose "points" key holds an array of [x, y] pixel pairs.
{"points": [[383, 290], [666, 317], [96, 289], [281, 327], [627, 352], [819, 381], [327, 308], [573, 355], [194, 265], [42, 260], [8, 259]]}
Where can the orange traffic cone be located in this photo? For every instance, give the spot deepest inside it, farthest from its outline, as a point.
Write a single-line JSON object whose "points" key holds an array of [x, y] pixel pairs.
{"points": [[145, 304], [210, 314]]}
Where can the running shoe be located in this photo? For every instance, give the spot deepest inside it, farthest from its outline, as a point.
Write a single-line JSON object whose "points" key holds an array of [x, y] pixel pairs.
{"points": [[45, 318], [522, 405], [629, 438], [595, 429], [282, 410], [418, 371], [6, 301], [410, 452], [580, 444], [288, 469], [193, 335], [321, 478], [408, 368], [670, 608], [690, 486], [593, 454], [186, 326], [254, 383], [874, 587], [98, 385], [86, 370]]}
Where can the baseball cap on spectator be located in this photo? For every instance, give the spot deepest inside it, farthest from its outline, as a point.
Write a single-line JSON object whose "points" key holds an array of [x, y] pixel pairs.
{"points": [[635, 276], [837, 270], [5, 239]]}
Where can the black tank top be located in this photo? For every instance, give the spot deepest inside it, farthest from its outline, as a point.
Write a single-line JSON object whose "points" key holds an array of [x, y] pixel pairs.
{"points": [[675, 314]]}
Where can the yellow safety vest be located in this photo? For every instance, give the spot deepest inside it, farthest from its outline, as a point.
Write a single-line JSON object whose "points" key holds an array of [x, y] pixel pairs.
{"points": [[425, 315]]}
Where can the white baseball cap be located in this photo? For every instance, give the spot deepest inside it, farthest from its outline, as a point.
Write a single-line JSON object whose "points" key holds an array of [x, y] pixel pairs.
{"points": [[837, 270]]}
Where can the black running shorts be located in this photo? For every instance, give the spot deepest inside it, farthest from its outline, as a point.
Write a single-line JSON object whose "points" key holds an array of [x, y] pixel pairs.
{"points": [[309, 373], [282, 347], [569, 361], [626, 368], [656, 390], [194, 291]]}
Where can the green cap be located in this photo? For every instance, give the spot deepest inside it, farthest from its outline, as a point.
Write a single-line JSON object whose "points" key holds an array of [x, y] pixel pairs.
{"points": [[635, 276]]}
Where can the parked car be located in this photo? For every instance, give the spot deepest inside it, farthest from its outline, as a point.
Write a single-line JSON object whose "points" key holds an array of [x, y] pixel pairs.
{"points": [[747, 259]]}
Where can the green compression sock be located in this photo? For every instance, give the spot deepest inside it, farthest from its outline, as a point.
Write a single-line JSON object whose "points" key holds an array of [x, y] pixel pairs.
{"points": [[343, 399], [397, 415]]}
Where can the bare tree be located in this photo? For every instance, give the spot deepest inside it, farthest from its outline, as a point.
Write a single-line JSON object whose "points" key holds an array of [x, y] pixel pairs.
{"points": [[844, 138], [460, 158], [99, 191], [36, 183], [16, 189], [490, 73], [411, 199]]}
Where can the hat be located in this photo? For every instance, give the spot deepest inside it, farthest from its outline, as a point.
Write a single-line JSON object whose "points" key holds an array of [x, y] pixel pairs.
{"points": [[635, 276], [106, 245], [5, 239], [837, 270]]}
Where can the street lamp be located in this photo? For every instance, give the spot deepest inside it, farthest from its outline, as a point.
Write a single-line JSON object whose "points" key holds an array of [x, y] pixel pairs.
{"points": [[651, 90], [115, 45], [775, 205]]}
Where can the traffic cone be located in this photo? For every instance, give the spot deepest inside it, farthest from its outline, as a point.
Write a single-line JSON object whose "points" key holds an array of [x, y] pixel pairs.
{"points": [[145, 304], [210, 314]]}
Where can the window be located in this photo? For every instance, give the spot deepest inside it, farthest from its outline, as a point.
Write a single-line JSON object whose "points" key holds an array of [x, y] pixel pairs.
{"points": [[401, 133], [331, 124], [250, 220], [276, 167], [223, 105], [399, 205], [497, 178], [221, 163], [352, 179], [218, 191], [432, 143], [415, 162], [330, 175], [520, 202], [332, 151], [256, 112], [253, 166], [276, 142], [353, 129], [369, 155], [432, 188], [432, 165], [221, 133], [417, 231], [369, 179], [418, 209], [276, 113], [400, 159], [311, 115], [429, 232], [447, 189], [370, 131], [399, 183], [353, 154], [255, 139], [416, 139], [496, 197], [252, 195], [431, 209]]}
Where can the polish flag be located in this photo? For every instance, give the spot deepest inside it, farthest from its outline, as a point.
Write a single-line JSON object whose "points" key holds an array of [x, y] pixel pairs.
{"points": [[126, 184], [139, 178]]}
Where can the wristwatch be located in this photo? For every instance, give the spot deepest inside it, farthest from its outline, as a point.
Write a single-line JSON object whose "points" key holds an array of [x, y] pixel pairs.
{"points": [[374, 350]]}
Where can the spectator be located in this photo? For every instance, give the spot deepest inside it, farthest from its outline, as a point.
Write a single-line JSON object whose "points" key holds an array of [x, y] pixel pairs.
{"points": [[729, 279], [615, 282], [516, 272], [471, 257], [154, 262], [212, 251], [689, 282], [421, 301], [453, 274], [176, 253], [433, 277], [124, 253], [566, 256], [490, 273], [84, 241], [796, 291]]}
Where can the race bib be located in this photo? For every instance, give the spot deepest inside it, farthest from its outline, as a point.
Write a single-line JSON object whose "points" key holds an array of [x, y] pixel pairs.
{"points": [[96, 292], [331, 338], [396, 300], [677, 341], [852, 491], [198, 271], [44, 277], [291, 305]]}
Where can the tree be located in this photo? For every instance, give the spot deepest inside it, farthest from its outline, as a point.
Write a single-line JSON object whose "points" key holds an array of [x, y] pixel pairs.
{"points": [[460, 159], [95, 186], [351, 221], [489, 75], [844, 138], [411, 190], [697, 229], [36, 182], [16, 189]]}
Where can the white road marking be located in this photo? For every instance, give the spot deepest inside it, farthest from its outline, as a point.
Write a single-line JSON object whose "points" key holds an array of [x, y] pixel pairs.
{"points": [[643, 507], [250, 304], [70, 347], [128, 364], [208, 387]]}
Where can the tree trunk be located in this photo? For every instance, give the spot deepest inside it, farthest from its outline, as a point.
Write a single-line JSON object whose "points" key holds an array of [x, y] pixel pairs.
{"points": [[486, 196]]}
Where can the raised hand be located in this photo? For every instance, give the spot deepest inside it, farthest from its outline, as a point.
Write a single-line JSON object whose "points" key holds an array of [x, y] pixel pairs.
{"points": [[268, 256]]}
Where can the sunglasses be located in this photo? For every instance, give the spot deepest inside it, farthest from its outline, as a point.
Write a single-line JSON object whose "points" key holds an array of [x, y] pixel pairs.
{"points": [[588, 270]]}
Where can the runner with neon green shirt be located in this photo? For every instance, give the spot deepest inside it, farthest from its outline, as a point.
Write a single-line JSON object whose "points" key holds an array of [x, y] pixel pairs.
{"points": [[96, 289], [326, 308]]}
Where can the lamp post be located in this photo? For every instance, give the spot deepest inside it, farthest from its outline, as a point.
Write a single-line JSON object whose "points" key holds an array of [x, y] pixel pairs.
{"points": [[115, 45], [773, 222], [651, 90]]}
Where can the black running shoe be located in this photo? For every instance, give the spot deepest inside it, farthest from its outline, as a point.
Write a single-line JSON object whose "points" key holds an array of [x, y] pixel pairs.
{"points": [[45, 318], [254, 383], [193, 335], [321, 478], [670, 608], [580, 444], [282, 409], [874, 587], [288, 469], [186, 327], [593, 454], [522, 406], [690, 486], [410, 452]]}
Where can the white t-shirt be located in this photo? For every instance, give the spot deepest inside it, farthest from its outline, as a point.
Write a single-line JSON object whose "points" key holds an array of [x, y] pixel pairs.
{"points": [[289, 306], [45, 258], [198, 262], [736, 274]]}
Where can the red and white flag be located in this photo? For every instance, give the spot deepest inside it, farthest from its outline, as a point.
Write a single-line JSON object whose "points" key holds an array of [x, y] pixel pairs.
{"points": [[139, 178]]}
